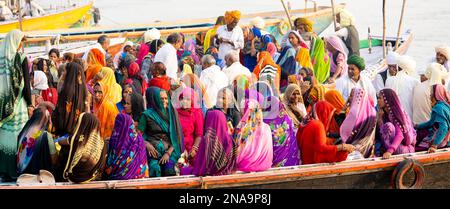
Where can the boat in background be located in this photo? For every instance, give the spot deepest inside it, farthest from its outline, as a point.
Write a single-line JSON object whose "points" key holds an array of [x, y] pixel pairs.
{"points": [[55, 20]]}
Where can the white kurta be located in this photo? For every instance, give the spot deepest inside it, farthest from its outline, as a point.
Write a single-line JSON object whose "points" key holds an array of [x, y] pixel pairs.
{"points": [[422, 102], [236, 36], [403, 85], [168, 55], [345, 84], [235, 70], [214, 80], [378, 83]]}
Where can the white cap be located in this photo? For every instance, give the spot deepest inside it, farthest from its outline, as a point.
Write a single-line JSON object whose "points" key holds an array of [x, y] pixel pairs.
{"points": [[151, 35], [391, 58], [407, 64]]}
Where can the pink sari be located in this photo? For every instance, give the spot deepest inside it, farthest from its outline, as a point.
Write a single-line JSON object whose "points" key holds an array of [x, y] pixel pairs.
{"points": [[255, 152]]}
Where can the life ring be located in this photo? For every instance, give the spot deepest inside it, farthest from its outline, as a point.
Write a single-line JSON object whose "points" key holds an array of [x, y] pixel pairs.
{"points": [[402, 168], [283, 27]]}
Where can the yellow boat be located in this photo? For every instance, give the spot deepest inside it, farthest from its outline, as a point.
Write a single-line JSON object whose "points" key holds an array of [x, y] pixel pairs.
{"points": [[58, 20]]}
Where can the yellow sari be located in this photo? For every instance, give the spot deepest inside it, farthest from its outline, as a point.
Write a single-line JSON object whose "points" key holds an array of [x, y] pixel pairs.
{"points": [[106, 112], [115, 90]]}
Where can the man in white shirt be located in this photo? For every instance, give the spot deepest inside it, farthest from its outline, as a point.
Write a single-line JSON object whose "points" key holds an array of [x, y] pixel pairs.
{"points": [[346, 83], [168, 54], [234, 67], [391, 61], [213, 78], [404, 84], [229, 37]]}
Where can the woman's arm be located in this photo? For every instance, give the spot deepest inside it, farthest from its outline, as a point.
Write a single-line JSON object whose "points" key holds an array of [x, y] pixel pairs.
{"points": [[440, 134], [398, 138], [26, 77], [429, 123]]}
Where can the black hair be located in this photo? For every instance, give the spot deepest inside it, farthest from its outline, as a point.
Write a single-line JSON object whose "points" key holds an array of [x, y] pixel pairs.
{"points": [[174, 38], [102, 39], [153, 46], [54, 50], [137, 105]]}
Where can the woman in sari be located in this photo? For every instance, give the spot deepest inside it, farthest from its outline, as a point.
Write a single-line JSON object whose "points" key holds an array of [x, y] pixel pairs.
{"points": [[108, 79], [312, 142], [228, 105], [193, 82], [37, 150], [127, 155], [358, 127], [191, 119], [335, 98], [397, 132], [95, 59], [134, 106], [191, 47], [267, 70], [131, 75], [439, 122], [254, 139], [159, 77], [324, 112], [316, 94], [162, 133], [127, 89], [336, 49], [217, 150], [149, 59], [87, 155], [294, 105], [287, 59], [104, 109]]}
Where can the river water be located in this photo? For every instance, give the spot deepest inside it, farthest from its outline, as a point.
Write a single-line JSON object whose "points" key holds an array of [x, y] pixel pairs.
{"points": [[428, 19]]}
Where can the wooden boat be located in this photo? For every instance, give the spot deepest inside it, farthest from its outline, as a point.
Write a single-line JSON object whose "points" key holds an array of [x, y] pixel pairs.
{"points": [[60, 19], [275, 24]]}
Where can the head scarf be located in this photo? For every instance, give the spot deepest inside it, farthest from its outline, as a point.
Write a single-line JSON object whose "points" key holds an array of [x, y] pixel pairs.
{"points": [[230, 16], [361, 119], [105, 110], [40, 80], [440, 93], [317, 93], [193, 97], [303, 43], [445, 50], [267, 70], [151, 35], [391, 58], [357, 61], [115, 90], [95, 56], [335, 98], [324, 112], [407, 64], [339, 46], [397, 115], [271, 48], [92, 70], [191, 47], [217, 150], [347, 18], [435, 73], [137, 105], [10, 45], [291, 88], [304, 21], [127, 154], [258, 22]]}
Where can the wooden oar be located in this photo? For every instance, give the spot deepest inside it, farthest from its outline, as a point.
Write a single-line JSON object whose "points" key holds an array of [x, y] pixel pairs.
{"points": [[334, 14], [400, 25], [384, 29], [287, 14]]}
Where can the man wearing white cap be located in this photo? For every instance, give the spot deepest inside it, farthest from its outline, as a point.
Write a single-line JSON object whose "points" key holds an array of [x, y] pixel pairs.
{"points": [[435, 74], [442, 56], [403, 84], [380, 81]]}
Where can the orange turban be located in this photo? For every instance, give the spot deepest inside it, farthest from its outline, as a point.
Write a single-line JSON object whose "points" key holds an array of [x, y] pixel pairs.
{"points": [[230, 16]]}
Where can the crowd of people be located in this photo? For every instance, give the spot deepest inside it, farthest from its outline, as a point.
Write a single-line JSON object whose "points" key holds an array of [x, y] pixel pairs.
{"points": [[231, 99]]}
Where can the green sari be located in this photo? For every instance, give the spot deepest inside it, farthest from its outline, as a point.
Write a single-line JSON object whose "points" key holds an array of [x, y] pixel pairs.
{"points": [[320, 60]]}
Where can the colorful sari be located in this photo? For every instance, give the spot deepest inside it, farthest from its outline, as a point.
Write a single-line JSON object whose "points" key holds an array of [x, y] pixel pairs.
{"points": [[115, 90], [288, 64], [106, 112], [358, 127], [335, 98], [92, 70], [217, 150], [127, 155], [267, 70], [87, 154], [320, 61], [191, 119], [295, 111]]}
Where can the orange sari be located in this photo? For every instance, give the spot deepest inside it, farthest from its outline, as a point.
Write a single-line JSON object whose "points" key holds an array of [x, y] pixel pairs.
{"points": [[106, 112], [264, 59]]}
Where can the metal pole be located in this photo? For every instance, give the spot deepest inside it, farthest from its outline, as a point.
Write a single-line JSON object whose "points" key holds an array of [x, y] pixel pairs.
{"points": [[287, 14], [400, 25], [384, 29], [334, 14], [20, 15]]}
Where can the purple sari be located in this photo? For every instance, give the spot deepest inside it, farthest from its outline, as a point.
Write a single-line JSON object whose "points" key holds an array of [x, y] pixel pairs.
{"points": [[217, 150], [127, 155]]}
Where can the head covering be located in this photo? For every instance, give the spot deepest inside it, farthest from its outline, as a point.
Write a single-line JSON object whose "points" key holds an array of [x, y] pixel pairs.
{"points": [[391, 58], [10, 45], [92, 70], [105, 110], [151, 35], [304, 21], [300, 38], [357, 61], [361, 119], [95, 56], [324, 112], [397, 114], [347, 18], [191, 80], [335, 98], [407, 64], [267, 70], [137, 105], [217, 150], [258, 22], [271, 48], [40, 80], [445, 50], [435, 73], [257, 32], [127, 154], [440, 93], [230, 16], [293, 110], [317, 92], [191, 47], [192, 95], [115, 90]]}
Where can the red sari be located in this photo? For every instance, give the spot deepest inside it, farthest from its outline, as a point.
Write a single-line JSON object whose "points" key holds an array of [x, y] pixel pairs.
{"points": [[312, 142], [160, 82]]}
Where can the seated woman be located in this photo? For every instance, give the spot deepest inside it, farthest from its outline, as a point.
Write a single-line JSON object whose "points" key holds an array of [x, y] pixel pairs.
{"points": [[132, 75], [335, 98], [108, 79], [159, 77], [358, 127], [87, 155], [439, 122], [337, 52], [162, 133], [134, 106], [228, 105], [324, 112], [254, 138], [217, 150], [127, 155], [126, 90], [312, 142], [36, 147], [193, 82], [316, 94], [51, 93], [104, 109], [293, 103], [267, 70], [397, 133], [191, 119]]}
